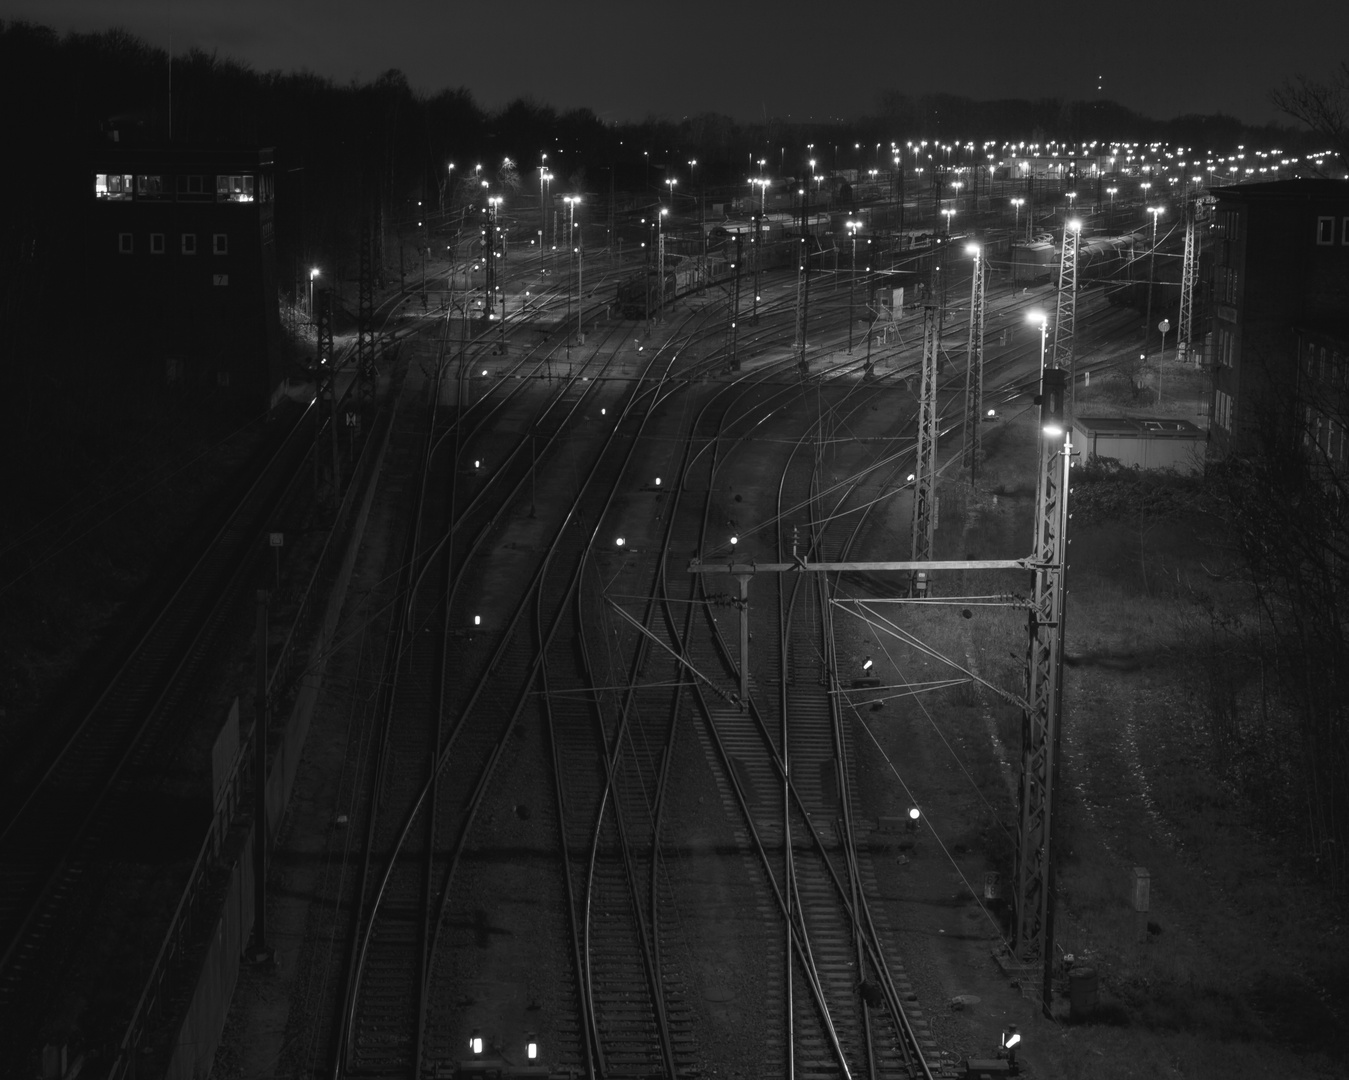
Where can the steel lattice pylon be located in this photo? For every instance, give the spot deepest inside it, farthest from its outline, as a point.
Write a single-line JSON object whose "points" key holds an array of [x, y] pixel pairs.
{"points": [[324, 372], [974, 369], [925, 459], [1040, 726], [800, 342], [365, 320], [660, 271], [1188, 270], [1065, 317]]}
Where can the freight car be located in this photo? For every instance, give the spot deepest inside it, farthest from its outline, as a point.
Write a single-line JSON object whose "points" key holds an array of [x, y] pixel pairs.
{"points": [[640, 295]]}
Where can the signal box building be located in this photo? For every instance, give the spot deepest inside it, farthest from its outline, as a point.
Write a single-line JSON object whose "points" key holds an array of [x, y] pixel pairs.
{"points": [[1322, 352], [1280, 288], [181, 263]]}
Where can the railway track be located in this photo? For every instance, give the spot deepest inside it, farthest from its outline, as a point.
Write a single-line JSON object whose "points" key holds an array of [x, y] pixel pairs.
{"points": [[522, 785]]}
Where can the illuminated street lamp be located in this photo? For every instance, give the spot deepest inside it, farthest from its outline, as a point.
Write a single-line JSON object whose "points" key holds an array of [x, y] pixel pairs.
{"points": [[571, 201], [948, 214], [853, 226], [1156, 212], [1016, 220], [313, 273], [1111, 192], [660, 257]]}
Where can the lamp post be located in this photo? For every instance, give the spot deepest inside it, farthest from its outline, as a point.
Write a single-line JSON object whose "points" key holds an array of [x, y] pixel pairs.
{"points": [[543, 202], [313, 273], [660, 258], [1155, 211], [571, 201], [1016, 215], [1111, 192], [852, 279]]}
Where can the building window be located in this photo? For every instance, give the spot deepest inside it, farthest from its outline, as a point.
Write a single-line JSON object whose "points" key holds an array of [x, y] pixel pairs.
{"points": [[191, 185], [1223, 410], [1344, 231], [1325, 230], [149, 187], [156, 243], [117, 186], [124, 243], [189, 243], [220, 244], [234, 188]]}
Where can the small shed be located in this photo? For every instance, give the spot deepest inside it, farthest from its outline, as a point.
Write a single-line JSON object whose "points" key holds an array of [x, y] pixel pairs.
{"points": [[1150, 442]]}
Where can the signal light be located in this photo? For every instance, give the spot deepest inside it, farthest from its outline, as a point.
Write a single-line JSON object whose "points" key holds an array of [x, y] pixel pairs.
{"points": [[1053, 389]]}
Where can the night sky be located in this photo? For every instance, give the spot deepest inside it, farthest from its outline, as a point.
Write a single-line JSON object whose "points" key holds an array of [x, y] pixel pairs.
{"points": [[628, 59]]}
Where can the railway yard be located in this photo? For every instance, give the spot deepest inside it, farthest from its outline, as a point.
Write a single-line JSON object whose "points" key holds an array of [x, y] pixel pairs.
{"points": [[529, 788]]}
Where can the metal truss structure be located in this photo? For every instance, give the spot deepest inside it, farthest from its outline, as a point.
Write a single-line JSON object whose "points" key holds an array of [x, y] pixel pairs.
{"points": [[365, 322], [1065, 317], [974, 369], [1188, 269], [925, 454], [325, 372], [1041, 719]]}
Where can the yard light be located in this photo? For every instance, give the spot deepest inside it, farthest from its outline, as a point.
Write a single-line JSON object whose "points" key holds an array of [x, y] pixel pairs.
{"points": [[475, 1042], [734, 540], [619, 541], [532, 1047], [867, 666]]}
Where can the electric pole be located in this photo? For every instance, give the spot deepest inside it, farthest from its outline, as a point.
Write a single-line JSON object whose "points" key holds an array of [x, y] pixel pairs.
{"points": [[1188, 269], [735, 307], [365, 321], [925, 455], [974, 366], [1065, 316], [1041, 720], [325, 372]]}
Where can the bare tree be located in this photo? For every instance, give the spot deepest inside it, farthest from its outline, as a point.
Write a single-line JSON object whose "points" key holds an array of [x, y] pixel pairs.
{"points": [[1322, 106]]}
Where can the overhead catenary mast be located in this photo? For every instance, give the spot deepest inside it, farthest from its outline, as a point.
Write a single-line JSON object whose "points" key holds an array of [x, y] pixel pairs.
{"points": [[1065, 318], [974, 368]]}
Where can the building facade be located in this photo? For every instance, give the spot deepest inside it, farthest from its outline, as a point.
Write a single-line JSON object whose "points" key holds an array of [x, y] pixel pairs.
{"points": [[1280, 263], [181, 261], [1323, 392]]}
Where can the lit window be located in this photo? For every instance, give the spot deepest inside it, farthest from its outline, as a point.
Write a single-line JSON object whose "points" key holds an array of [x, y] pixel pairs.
{"points": [[124, 243], [220, 244], [1325, 230], [189, 243], [113, 186], [156, 243], [234, 188]]}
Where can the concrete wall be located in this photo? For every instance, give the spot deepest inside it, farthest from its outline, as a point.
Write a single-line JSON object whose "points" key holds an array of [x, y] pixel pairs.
{"points": [[199, 1035]]}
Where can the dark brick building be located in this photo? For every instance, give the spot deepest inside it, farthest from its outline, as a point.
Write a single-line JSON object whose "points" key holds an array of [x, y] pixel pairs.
{"points": [[1280, 271], [182, 265]]}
